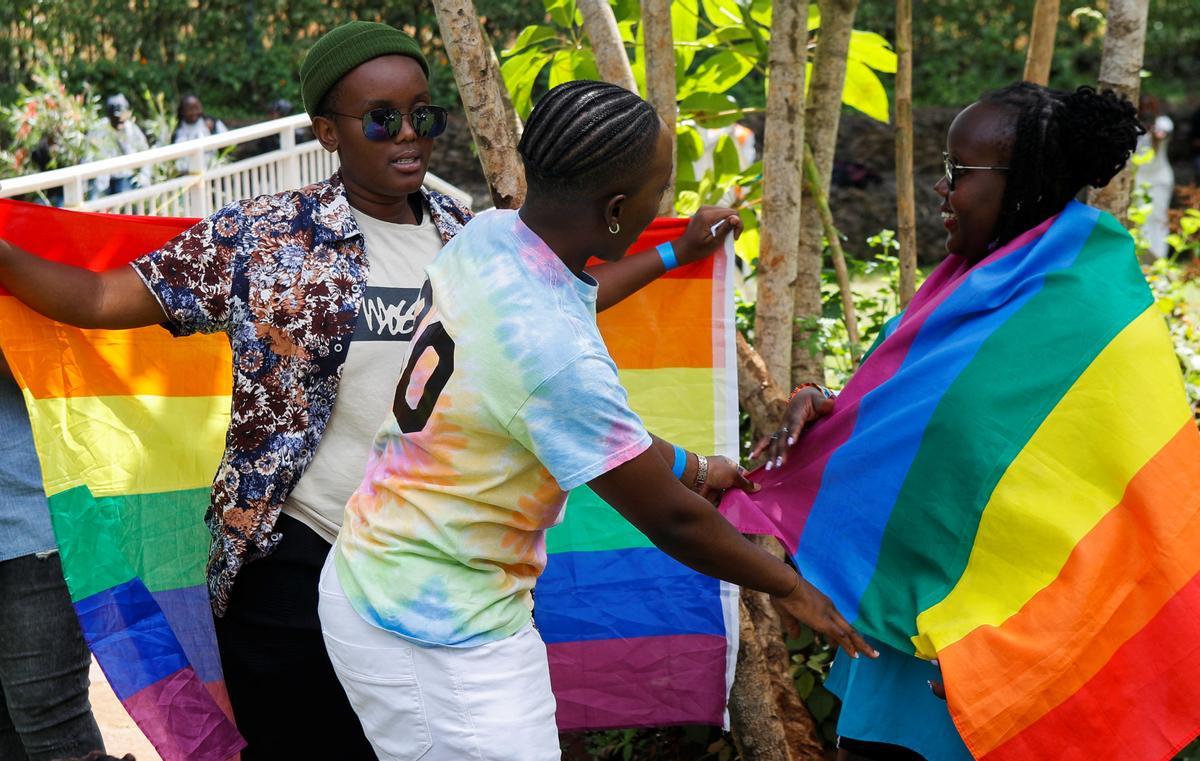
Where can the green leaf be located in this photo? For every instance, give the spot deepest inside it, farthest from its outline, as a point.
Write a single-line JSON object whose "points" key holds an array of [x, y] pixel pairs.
{"points": [[530, 35], [723, 12], [873, 50], [805, 681], [814, 17], [865, 92], [703, 107], [687, 202], [821, 703], [684, 20], [689, 145], [760, 11], [571, 64], [723, 36], [562, 12], [727, 163], [746, 246], [519, 73], [718, 73]]}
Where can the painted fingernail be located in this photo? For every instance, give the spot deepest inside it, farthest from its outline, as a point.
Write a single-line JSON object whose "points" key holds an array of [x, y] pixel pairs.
{"points": [[875, 653], [791, 441], [935, 663], [779, 461], [930, 683], [768, 464]]}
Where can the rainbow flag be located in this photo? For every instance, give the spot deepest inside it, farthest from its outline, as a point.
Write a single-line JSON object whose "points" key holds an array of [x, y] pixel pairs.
{"points": [[1011, 484], [635, 638], [130, 425]]}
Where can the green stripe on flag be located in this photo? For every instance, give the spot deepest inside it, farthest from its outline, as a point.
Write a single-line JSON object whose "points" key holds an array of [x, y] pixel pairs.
{"points": [[1019, 374], [592, 525], [160, 538]]}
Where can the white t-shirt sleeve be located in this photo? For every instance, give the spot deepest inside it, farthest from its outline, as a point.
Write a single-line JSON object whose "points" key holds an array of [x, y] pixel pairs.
{"points": [[578, 422]]}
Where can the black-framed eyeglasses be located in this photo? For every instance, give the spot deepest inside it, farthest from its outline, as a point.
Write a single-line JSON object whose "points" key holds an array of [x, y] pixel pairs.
{"points": [[952, 169], [380, 124]]}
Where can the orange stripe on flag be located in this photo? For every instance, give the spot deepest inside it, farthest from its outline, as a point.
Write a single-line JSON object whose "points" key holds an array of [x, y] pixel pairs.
{"points": [[55, 361], [1115, 581], [666, 324]]}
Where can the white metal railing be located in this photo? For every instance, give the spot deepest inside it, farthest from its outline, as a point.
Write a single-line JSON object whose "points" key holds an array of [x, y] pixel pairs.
{"points": [[205, 188]]}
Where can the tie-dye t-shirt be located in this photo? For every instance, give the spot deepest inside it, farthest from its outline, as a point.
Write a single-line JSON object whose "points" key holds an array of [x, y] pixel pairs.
{"points": [[508, 399]]}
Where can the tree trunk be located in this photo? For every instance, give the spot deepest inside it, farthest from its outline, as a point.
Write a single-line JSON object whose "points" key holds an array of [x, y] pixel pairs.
{"points": [[1041, 42], [783, 155], [660, 78], [601, 27], [820, 201], [906, 204], [757, 729], [483, 95], [823, 113], [760, 397], [1120, 68]]}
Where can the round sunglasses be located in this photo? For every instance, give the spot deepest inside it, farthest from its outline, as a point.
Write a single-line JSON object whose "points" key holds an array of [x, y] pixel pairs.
{"points": [[380, 124]]}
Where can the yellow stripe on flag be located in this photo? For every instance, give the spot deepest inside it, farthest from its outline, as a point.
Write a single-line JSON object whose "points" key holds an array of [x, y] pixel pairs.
{"points": [[675, 403], [1129, 401], [119, 445]]}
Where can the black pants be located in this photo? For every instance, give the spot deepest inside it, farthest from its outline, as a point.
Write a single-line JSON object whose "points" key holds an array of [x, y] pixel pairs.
{"points": [[286, 698], [44, 708], [871, 751]]}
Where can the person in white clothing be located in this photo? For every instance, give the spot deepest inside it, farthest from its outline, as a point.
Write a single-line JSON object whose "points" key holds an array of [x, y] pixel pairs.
{"points": [[192, 123]]}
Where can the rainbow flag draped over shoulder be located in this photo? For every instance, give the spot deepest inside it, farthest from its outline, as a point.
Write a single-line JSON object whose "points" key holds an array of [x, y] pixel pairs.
{"points": [[1011, 484], [129, 426]]}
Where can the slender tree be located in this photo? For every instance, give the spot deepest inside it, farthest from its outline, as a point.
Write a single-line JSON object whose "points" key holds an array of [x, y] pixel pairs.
{"points": [[660, 77], [483, 95], [783, 156], [822, 116], [601, 27], [906, 205], [1041, 42], [1120, 70]]}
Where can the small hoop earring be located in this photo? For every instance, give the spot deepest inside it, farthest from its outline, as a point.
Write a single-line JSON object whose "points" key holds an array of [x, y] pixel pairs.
{"points": [[614, 228]]}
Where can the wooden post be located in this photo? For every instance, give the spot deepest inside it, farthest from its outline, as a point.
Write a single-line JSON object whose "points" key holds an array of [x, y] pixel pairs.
{"points": [[822, 115], [1120, 70], [482, 91], [601, 27], [906, 205], [783, 157], [660, 78], [1040, 55]]}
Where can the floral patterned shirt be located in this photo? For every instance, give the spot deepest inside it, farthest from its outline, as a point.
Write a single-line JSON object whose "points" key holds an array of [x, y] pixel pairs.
{"points": [[283, 276]]}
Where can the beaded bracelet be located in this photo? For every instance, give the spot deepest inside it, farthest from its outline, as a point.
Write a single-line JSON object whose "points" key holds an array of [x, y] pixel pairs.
{"points": [[824, 391]]}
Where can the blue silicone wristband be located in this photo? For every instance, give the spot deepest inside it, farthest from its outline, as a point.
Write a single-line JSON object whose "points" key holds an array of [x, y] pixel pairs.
{"points": [[680, 462], [666, 252]]}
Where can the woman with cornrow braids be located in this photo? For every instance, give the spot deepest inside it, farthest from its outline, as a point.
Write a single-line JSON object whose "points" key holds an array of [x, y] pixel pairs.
{"points": [[1014, 159], [508, 401]]}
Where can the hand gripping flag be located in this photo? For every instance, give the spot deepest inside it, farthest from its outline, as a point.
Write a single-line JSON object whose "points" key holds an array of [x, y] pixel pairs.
{"points": [[129, 427], [1011, 484]]}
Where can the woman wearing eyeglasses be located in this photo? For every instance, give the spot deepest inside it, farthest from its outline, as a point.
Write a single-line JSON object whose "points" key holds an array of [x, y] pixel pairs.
{"points": [[1015, 160], [318, 290]]}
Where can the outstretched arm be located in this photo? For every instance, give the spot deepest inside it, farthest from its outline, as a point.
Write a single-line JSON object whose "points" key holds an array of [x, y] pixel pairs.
{"points": [[619, 280], [113, 299], [686, 527]]}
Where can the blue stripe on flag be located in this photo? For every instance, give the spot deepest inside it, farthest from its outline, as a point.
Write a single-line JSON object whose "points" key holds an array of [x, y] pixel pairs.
{"points": [[130, 637], [616, 594]]}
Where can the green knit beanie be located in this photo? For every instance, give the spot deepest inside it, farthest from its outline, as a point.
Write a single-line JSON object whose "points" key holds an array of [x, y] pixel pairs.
{"points": [[341, 49]]}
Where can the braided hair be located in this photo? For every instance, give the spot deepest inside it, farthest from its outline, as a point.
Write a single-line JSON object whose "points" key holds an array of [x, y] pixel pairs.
{"points": [[582, 133], [1062, 142]]}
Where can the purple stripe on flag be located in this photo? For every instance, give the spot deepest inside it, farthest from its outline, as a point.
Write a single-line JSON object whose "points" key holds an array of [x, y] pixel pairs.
{"points": [[188, 613], [178, 716], [679, 679]]}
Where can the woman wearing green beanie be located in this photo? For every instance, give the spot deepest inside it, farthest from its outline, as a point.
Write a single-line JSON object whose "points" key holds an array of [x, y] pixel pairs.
{"points": [[318, 290]]}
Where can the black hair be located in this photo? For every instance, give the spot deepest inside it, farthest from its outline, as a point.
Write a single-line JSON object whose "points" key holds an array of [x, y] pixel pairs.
{"points": [[582, 133], [328, 104], [1062, 142]]}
